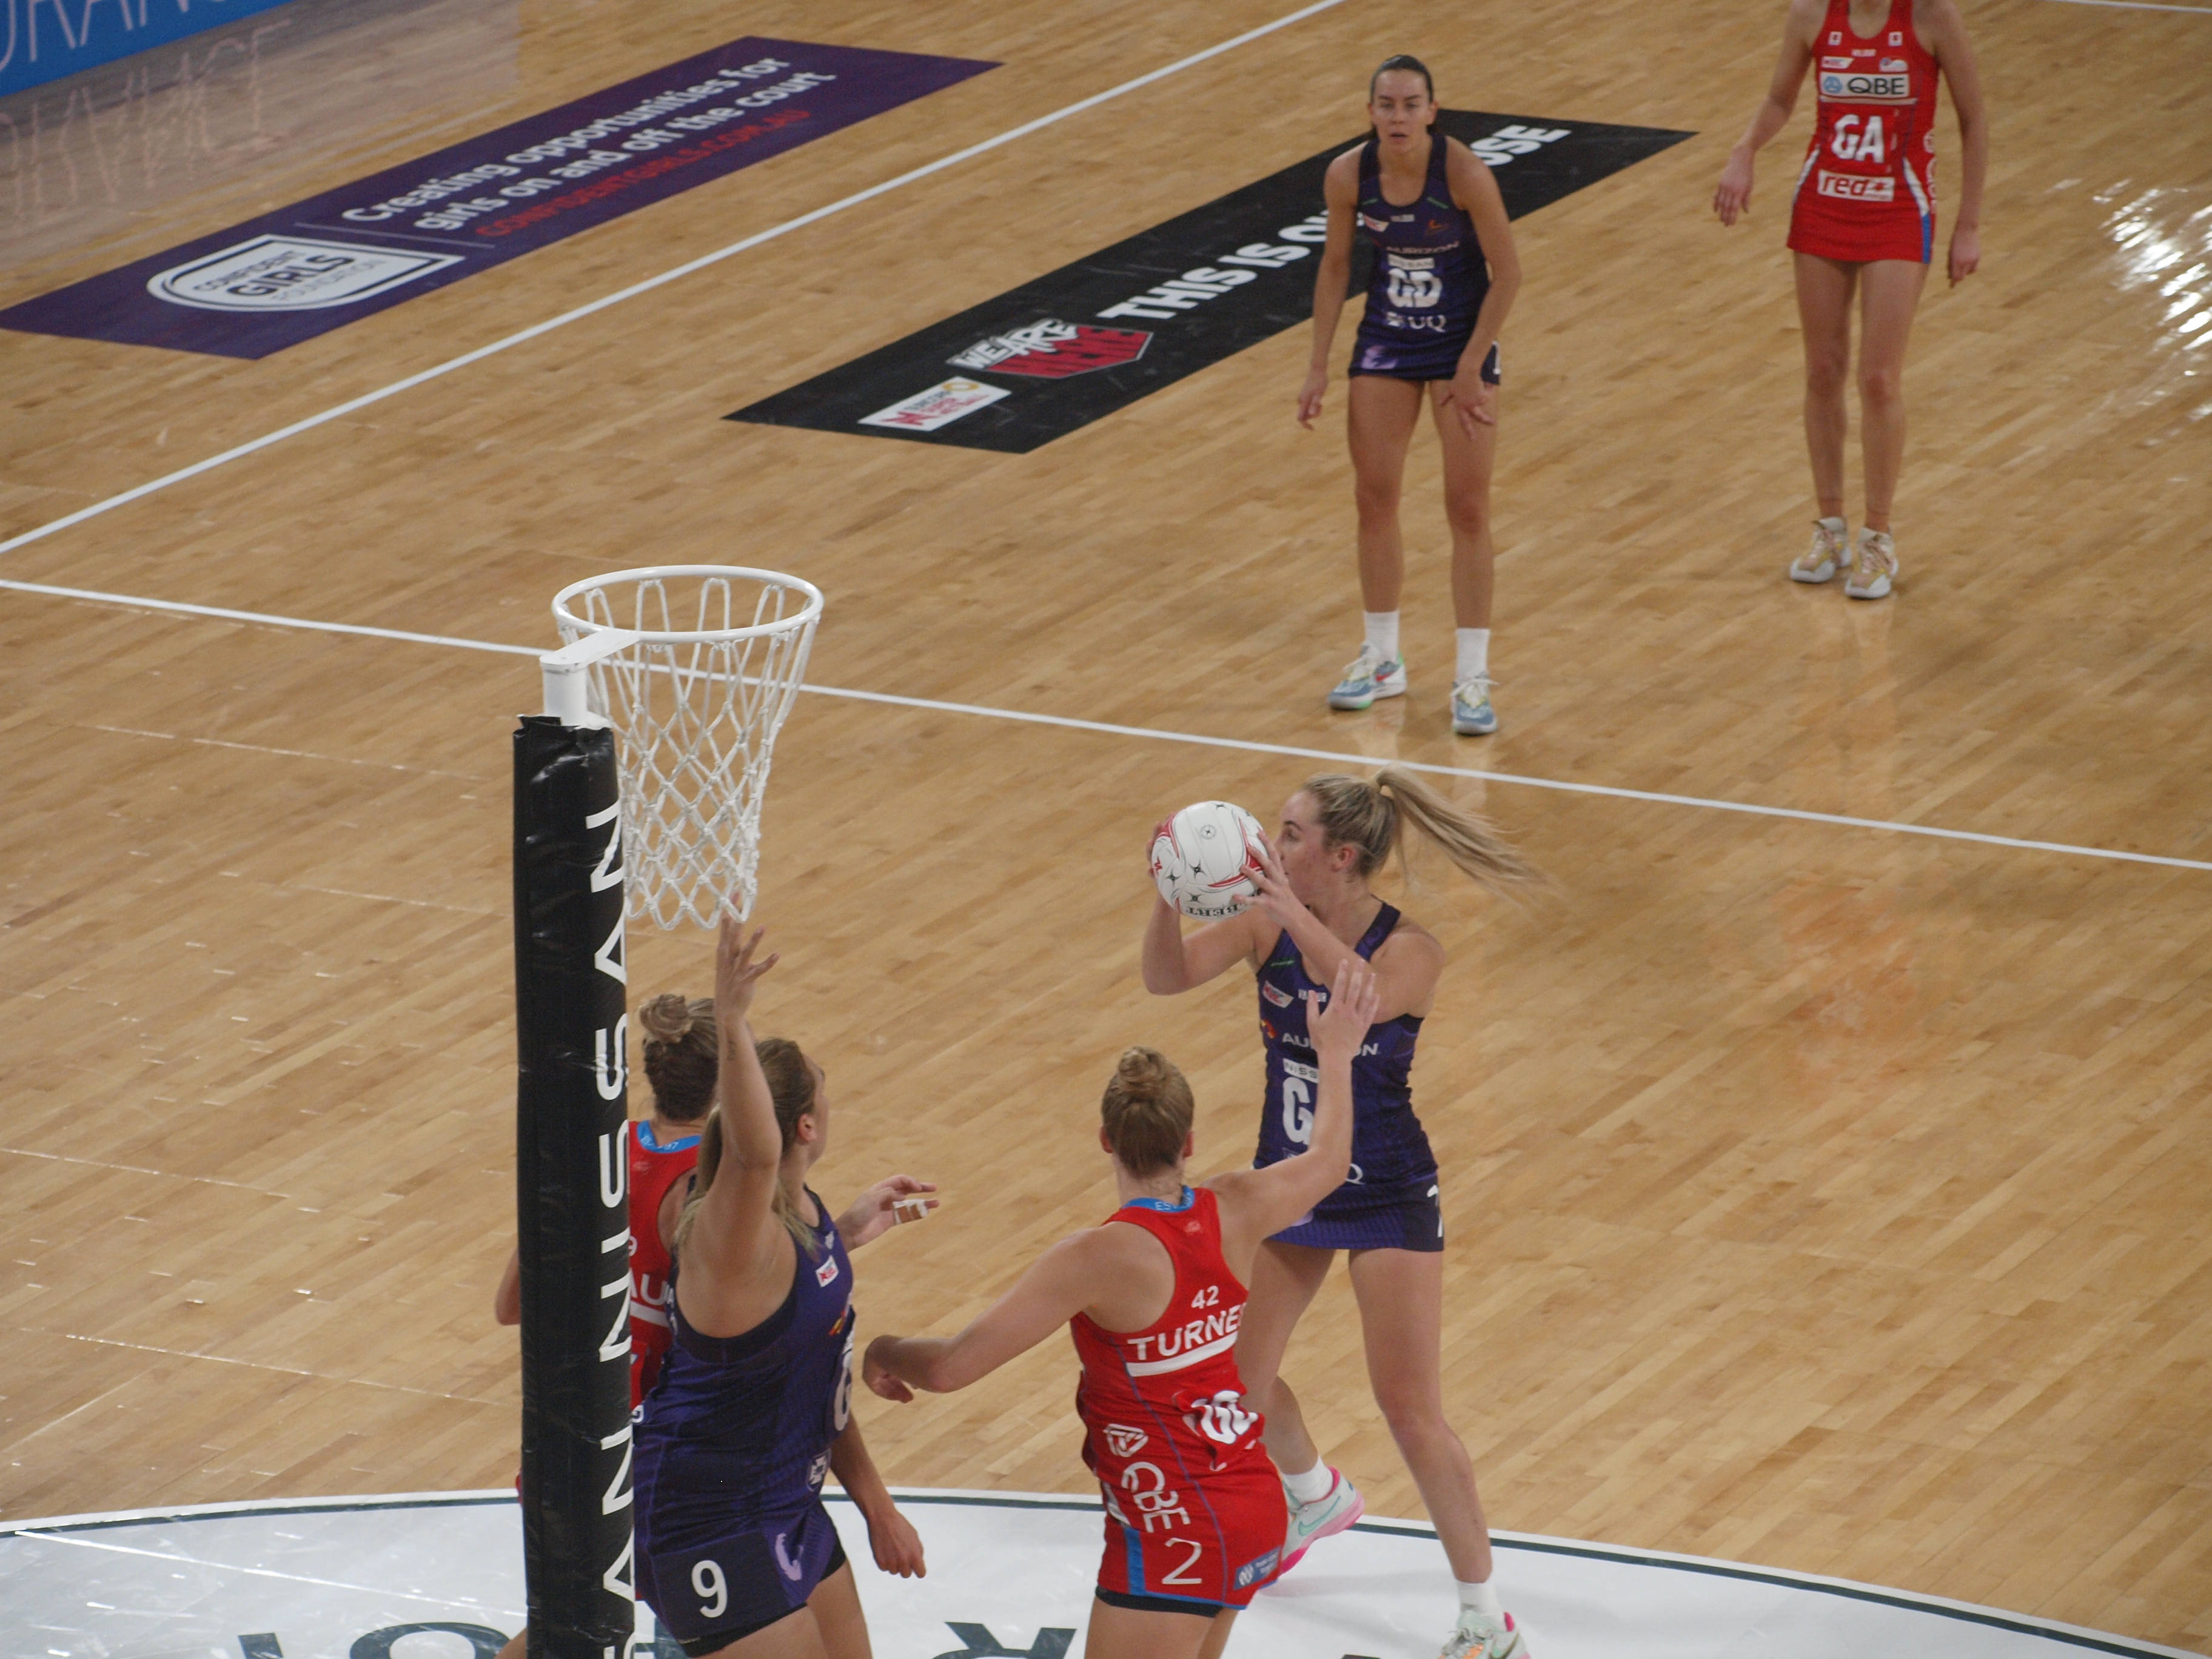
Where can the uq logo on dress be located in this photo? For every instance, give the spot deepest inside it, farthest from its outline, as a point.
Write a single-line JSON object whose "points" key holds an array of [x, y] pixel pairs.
{"points": [[291, 273]]}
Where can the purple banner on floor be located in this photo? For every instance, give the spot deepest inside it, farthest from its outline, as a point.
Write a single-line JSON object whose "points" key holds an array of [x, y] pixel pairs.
{"points": [[318, 264]]}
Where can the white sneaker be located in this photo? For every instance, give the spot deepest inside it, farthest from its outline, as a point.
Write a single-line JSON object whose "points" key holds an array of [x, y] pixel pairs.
{"points": [[1877, 566], [1366, 677], [1324, 1517], [1830, 551], [1481, 1637], [1472, 714]]}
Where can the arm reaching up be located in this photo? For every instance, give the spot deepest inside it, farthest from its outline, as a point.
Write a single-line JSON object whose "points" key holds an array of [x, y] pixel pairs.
{"points": [[1258, 1203]]}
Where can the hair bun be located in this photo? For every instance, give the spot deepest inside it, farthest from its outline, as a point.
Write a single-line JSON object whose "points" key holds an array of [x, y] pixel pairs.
{"points": [[1140, 1071], [666, 1018]]}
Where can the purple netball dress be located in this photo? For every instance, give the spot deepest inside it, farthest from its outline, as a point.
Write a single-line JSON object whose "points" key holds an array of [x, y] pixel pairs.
{"points": [[1429, 280], [1389, 1201], [732, 1447]]}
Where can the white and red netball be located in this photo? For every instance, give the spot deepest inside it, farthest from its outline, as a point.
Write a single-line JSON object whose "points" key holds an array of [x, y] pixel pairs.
{"points": [[1203, 859]]}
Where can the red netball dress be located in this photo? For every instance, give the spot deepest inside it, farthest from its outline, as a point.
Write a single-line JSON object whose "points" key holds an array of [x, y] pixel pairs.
{"points": [[655, 1167], [1868, 188], [1194, 1510]]}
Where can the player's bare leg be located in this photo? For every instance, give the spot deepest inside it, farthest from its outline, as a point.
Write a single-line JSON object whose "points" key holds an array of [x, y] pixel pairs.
{"points": [[1285, 1279], [1126, 1633], [1379, 427], [1825, 288], [1468, 461], [1889, 293], [836, 1605], [1400, 1294], [1401, 1298], [1218, 1637]]}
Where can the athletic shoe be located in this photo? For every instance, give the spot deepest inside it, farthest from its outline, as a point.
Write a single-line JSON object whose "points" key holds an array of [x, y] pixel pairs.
{"points": [[1830, 551], [1324, 1517], [1366, 677], [1877, 566], [1481, 1637], [1472, 714]]}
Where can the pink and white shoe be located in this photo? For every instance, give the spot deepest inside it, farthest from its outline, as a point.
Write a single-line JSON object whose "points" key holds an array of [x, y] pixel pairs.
{"points": [[1324, 1517]]}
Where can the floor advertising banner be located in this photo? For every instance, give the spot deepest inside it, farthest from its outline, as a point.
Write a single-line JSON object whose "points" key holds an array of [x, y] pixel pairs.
{"points": [[255, 287], [1059, 351]]}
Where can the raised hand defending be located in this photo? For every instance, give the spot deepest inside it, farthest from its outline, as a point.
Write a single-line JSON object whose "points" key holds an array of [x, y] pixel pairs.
{"points": [[1340, 1025]]}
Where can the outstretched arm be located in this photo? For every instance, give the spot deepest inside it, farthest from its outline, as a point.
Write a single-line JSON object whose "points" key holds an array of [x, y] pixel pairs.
{"points": [[1060, 1284], [883, 1207], [1258, 1203], [1733, 198], [730, 1240]]}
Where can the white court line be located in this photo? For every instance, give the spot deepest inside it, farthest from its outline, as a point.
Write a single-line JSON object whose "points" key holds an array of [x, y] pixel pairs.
{"points": [[1158, 735], [257, 1573], [653, 283], [2138, 5]]}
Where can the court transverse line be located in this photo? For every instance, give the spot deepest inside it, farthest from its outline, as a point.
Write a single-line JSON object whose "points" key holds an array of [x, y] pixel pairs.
{"points": [[340, 410], [1156, 734]]}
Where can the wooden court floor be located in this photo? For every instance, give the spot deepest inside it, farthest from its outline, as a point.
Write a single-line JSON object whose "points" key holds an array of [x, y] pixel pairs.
{"points": [[1826, 1198]]}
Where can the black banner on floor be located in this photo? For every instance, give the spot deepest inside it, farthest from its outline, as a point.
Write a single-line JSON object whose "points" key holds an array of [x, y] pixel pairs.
{"points": [[571, 1173], [1090, 338]]}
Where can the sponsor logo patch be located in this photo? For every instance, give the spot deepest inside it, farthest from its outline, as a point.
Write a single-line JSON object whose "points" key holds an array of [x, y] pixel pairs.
{"points": [[826, 1272], [1124, 1442], [1280, 999], [1254, 1572], [1860, 87], [291, 273], [1857, 187], [1053, 350], [940, 406]]}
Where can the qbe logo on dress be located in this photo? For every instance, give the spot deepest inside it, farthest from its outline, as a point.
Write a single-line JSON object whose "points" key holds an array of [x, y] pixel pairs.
{"points": [[291, 273], [942, 404], [1865, 87]]}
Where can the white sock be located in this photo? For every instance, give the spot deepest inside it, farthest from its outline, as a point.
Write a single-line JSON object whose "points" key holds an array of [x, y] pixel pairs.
{"points": [[1473, 654], [1382, 633], [1481, 1598], [1313, 1485]]}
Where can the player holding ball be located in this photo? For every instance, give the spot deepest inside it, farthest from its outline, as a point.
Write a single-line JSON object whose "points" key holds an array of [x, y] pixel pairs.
{"points": [[1307, 913]]}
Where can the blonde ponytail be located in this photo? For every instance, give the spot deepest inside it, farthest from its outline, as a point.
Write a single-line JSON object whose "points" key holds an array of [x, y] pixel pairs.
{"points": [[791, 1086], [1375, 817]]}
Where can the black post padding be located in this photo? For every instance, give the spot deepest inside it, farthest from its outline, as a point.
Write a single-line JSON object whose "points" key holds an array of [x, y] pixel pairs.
{"points": [[572, 1205]]}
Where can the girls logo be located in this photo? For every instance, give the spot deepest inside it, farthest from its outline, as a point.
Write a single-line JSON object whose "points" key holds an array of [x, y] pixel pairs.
{"points": [[1050, 350]]}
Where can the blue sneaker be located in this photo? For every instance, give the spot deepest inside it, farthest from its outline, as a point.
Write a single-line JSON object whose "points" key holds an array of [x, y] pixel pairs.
{"points": [[1472, 714], [1366, 677]]}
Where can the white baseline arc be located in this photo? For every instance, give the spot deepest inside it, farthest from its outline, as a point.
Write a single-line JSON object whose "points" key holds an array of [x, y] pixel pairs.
{"points": [[1156, 734], [340, 410]]}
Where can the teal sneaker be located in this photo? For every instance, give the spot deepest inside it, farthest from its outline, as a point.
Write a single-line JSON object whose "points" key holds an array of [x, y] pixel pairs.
{"points": [[1326, 1516], [1366, 677], [1472, 714]]}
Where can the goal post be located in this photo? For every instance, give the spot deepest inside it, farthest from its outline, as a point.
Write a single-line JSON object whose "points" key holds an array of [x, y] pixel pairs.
{"points": [[572, 1205], [637, 793]]}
